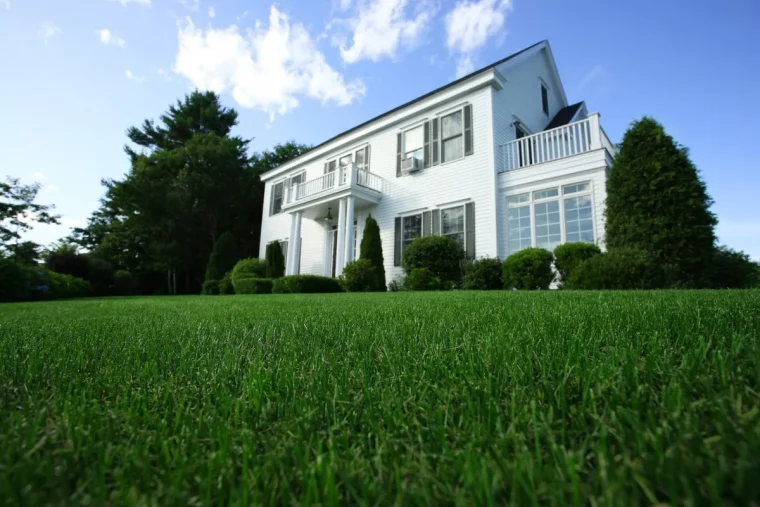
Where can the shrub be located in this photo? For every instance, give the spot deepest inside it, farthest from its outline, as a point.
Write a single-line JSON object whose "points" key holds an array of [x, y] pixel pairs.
{"points": [[225, 284], [483, 274], [439, 254], [371, 249], [569, 255], [249, 268], [223, 257], [124, 282], [529, 269], [15, 281], [275, 261], [66, 286], [360, 276], [253, 286], [210, 288], [67, 261], [621, 269], [396, 285], [423, 279], [730, 269], [101, 276], [306, 284]]}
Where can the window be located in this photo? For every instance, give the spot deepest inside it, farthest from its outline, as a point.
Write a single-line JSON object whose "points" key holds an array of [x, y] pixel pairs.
{"points": [[344, 161], [545, 194], [359, 159], [452, 137], [579, 223], [276, 198], [330, 166], [411, 228], [452, 224], [284, 248], [518, 223], [414, 142], [545, 99], [548, 233]]}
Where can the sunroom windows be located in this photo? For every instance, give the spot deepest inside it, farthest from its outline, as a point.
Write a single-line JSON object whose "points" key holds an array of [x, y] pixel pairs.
{"points": [[547, 217]]}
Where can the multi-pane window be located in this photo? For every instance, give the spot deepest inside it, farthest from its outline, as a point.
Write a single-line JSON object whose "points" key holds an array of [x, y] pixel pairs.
{"points": [[452, 136], [414, 142], [411, 228], [548, 232], [276, 198], [359, 159], [518, 223], [545, 99], [579, 223], [452, 224]]}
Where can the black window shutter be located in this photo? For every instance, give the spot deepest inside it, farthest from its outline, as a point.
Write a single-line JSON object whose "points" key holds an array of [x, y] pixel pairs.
{"points": [[426, 223], [468, 130], [469, 218], [398, 157], [366, 158], [434, 144], [426, 151], [436, 221], [397, 242]]}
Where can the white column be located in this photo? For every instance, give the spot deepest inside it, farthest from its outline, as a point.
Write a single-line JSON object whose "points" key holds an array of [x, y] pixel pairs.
{"points": [[349, 256], [289, 259], [295, 244], [341, 237], [596, 132]]}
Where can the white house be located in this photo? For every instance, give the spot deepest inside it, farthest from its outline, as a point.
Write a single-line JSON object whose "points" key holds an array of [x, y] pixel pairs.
{"points": [[497, 160]]}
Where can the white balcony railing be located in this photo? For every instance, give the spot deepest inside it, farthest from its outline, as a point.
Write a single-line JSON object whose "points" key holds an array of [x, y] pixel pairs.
{"points": [[566, 141], [342, 177]]}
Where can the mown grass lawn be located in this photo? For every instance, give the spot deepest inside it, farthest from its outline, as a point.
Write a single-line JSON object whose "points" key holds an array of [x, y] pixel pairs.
{"points": [[407, 398]]}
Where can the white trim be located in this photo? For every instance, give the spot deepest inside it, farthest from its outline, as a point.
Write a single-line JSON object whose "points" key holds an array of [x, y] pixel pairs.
{"points": [[415, 124], [454, 203], [453, 109]]}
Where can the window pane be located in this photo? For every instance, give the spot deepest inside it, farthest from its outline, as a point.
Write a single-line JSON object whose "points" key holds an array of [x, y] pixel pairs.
{"points": [[412, 228], [295, 180], [277, 198], [345, 161], [453, 149], [451, 125], [518, 227], [452, 223], [548, 235], [574, 189], [517, 199], [359, 157], [543, 194], [578, 223], [413, 140]]}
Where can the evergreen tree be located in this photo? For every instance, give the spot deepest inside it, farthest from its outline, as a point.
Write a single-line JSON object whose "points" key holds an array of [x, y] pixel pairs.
{"points": [[223, 257], [275, 260], [657, 202], [371, 249]]}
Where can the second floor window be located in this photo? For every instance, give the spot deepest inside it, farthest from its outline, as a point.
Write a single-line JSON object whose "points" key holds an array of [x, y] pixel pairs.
{"points": [[276, 198], [545, 99], [452, 136], [414, 143]]}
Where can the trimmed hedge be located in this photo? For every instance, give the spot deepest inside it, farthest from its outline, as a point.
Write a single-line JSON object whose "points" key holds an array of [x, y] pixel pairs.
{"points": [[569, 255], [210, 288], [66, 286], [249, 268], [619, 269], [360, 276], [439, 254], [421, 279], [484, 274], [306, 284], [529, 269], [252, 285], [225, 284]]}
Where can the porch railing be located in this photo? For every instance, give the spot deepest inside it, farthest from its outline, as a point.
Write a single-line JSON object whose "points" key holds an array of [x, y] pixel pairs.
{"points": [[343, 176], [566, 141]]}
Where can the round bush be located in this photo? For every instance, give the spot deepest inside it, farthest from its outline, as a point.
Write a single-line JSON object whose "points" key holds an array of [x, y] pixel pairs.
{"points": [[249, 268], [569, 255], [123, 282], [529, 269], [306, 284], [225, 284], [66, 286], [621, 269], [483, 274], [359, 276], [423, 279], [439, 254], [252, 286], [210, 288]]}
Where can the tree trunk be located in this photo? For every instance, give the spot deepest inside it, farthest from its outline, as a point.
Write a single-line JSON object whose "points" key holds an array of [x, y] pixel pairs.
{"points": [[174, 281]]}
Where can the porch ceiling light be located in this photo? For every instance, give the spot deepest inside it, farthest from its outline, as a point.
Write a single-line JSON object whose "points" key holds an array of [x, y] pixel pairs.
{"points": [[328, 218]]}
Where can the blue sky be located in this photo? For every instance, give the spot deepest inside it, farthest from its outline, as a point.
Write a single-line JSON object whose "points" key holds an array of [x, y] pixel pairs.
{"points": [[75, 75]]}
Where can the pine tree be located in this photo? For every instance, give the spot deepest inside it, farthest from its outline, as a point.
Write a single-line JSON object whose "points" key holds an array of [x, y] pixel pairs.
{"points": [[371, 249], [223, 257], [657, 202], [275, 260]]}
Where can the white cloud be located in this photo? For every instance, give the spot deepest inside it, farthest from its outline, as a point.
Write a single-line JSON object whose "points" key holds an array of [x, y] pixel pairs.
{"points": [[379, 27], [127, 2], [7, 3], [136, 79], [266, 68], [108, 37], [164, 74], [211, 12], [48, 30], [469, 26], [39, 176], [193, 5]]}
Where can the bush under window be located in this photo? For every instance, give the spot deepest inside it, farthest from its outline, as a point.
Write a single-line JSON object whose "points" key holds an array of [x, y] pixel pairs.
{"points": [[249, 268], [253, 286], [618, 269], [360, 276], [306, 284], [568, 256], [439, 254], [424, 279], [483, 274], [529, 269]]}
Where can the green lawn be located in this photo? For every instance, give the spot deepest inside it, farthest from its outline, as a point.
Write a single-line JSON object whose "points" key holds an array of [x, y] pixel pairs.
{"points": [[407, 398]]}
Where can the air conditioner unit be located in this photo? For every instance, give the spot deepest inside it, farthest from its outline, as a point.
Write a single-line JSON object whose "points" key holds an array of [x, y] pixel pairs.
{"points": [[410, 165]]}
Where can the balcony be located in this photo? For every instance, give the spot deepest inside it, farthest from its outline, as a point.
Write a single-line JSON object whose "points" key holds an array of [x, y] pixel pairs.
{"points": [[367, 187], [555, 144]]}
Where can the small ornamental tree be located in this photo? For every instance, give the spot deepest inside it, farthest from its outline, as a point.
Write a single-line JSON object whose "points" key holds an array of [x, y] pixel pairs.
{"points": [[371, 248], [275, 260], [656, 202], [223, 257]]}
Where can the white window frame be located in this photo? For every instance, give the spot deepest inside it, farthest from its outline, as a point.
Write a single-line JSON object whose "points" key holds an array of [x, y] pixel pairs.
{"points": [[440, 117], [352, 152], [583, 193], [404, 151], [529, 204], [403, 217], [464, 222], [284, 183]]}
